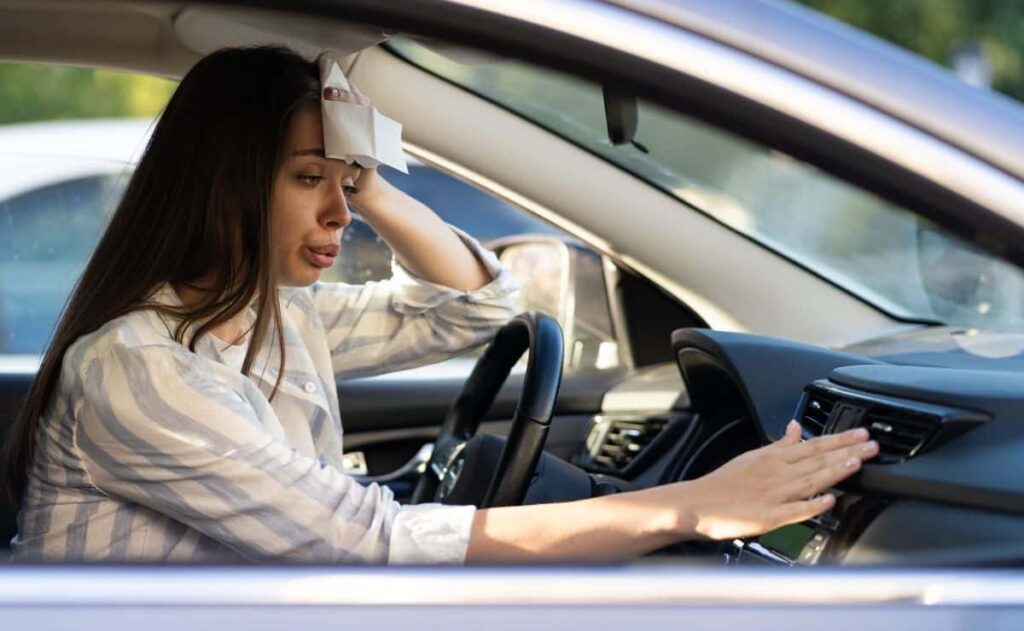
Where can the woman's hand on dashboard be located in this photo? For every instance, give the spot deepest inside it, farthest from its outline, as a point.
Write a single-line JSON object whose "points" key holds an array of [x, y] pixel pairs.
{"points": [[775, 485], [755, 492]]}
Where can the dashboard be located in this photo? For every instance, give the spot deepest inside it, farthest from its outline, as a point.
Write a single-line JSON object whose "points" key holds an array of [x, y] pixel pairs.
{"points": [[946, 489]]}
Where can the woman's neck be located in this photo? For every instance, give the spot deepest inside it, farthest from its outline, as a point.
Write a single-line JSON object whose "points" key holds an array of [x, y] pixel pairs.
{"points": [[232, 331]]}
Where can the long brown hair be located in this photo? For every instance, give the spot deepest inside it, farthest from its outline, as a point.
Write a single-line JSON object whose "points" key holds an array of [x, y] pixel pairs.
{"points": [[197, 208]]}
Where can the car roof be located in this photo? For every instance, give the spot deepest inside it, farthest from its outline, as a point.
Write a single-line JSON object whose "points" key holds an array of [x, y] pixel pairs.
{"points": [[877, 73]]}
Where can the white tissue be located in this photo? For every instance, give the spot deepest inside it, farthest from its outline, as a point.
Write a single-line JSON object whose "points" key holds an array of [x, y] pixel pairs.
{"points": [[357, 133]]}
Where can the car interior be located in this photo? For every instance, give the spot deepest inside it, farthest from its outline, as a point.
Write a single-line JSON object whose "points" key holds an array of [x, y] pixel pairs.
{"points": [[681, 329]]}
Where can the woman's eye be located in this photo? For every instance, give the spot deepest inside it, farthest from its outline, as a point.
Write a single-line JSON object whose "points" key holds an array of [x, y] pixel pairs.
{"points": [[310, 180], [349, 191]]}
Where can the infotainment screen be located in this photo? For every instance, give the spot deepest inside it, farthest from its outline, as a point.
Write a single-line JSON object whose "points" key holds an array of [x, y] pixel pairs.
{"points": [[788, 540]]}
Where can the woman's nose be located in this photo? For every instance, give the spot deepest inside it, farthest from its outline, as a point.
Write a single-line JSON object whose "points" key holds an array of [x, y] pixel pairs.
{"points": [[336, 215]]}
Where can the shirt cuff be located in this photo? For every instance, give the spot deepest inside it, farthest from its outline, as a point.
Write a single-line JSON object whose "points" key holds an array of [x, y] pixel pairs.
{"points": [[416, 294], [430, 534]]}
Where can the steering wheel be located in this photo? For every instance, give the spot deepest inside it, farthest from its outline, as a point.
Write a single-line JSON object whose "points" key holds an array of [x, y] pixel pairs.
{"points": [[542, 336]]}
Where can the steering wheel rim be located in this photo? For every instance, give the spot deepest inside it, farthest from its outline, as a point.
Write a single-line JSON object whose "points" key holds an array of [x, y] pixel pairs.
{"points": [[542, 337]]}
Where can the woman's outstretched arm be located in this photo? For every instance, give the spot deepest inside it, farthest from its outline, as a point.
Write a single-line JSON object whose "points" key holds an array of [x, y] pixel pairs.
{"points": [[754, 493]]}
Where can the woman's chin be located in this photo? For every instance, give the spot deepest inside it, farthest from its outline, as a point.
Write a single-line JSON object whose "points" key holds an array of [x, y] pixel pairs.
{"points": [[301, 278]]}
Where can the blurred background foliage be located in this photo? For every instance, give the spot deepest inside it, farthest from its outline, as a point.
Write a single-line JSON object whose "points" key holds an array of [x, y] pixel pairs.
{"points": [[932, 28], [35, 92]]}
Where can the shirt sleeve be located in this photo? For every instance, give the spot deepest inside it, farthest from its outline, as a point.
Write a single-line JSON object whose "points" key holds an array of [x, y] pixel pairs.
{"points": [[156, 429], [407, 321]]}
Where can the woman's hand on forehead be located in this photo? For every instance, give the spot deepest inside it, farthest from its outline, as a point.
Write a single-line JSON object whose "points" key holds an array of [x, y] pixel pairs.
{"points": [[353, 96]]}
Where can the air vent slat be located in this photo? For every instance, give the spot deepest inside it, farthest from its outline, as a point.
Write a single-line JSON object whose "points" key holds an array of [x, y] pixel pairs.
{"points": [[617, 442], [912, 424], [902, 436], [899, 433], [894, 428], [897, 437], [816, 412], [894, 445], [900, 430]]}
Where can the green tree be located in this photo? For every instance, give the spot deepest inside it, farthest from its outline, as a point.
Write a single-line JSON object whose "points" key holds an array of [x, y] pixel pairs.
{"points": [[931, 27], [38, 92]]}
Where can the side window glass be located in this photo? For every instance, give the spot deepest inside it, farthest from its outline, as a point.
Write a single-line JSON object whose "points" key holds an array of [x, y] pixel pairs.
{"points": [[46, 236], [364, 255], [65, 158]]}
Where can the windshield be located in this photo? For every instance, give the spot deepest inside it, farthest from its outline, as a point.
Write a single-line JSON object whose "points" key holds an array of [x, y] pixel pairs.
{"points": [[888, 256]]}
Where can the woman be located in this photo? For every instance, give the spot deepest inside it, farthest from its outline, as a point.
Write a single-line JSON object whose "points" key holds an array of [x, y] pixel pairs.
{"points": [[185, 409]]}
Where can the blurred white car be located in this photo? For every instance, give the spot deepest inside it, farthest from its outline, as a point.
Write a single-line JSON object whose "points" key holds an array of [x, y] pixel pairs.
{"points": [[60, 181]]}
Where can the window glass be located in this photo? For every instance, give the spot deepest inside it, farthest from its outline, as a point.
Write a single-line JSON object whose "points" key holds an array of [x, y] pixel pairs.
{"points": [[46, 237], [61, 180], [885, 254], [68, 137], [364, 256]]}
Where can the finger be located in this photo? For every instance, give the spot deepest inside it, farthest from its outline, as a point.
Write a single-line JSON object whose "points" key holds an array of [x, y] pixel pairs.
{"points": [[334, 94], [792, 436], [794, 512], [821, 480], [823, 444], [863, 451]]}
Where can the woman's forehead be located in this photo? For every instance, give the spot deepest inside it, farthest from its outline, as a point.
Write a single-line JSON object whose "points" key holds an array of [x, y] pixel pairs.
{"points": [[306, 136], [306, 130]]}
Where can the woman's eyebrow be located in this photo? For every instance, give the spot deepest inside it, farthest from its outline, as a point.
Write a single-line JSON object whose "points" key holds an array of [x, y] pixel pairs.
{"points": [[319, 152]]}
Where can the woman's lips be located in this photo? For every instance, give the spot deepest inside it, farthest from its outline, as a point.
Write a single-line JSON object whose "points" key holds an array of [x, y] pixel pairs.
{"points": [[322, 256]]}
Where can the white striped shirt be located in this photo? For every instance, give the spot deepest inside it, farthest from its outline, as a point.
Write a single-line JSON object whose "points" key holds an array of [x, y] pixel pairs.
{"points": [[151, 452]]}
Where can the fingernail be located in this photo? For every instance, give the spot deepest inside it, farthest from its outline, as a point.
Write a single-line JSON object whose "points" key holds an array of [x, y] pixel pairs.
{"points": [[869, 447], [793, 425], [826, 499], [859, 432], [851, 463]]}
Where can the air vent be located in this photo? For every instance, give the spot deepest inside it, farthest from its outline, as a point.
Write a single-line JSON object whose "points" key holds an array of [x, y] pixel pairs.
{"points": [[614, 442], [816, 412], [902, 427], [900, 433]]}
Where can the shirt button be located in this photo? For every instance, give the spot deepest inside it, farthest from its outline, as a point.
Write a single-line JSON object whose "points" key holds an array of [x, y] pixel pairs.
{"points": [[310, 387]]}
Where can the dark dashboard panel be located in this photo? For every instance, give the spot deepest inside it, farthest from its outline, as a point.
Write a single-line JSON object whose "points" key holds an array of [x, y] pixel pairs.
{"points": [[982, 468], [767, 374], [912, 532], [962, 495]]}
